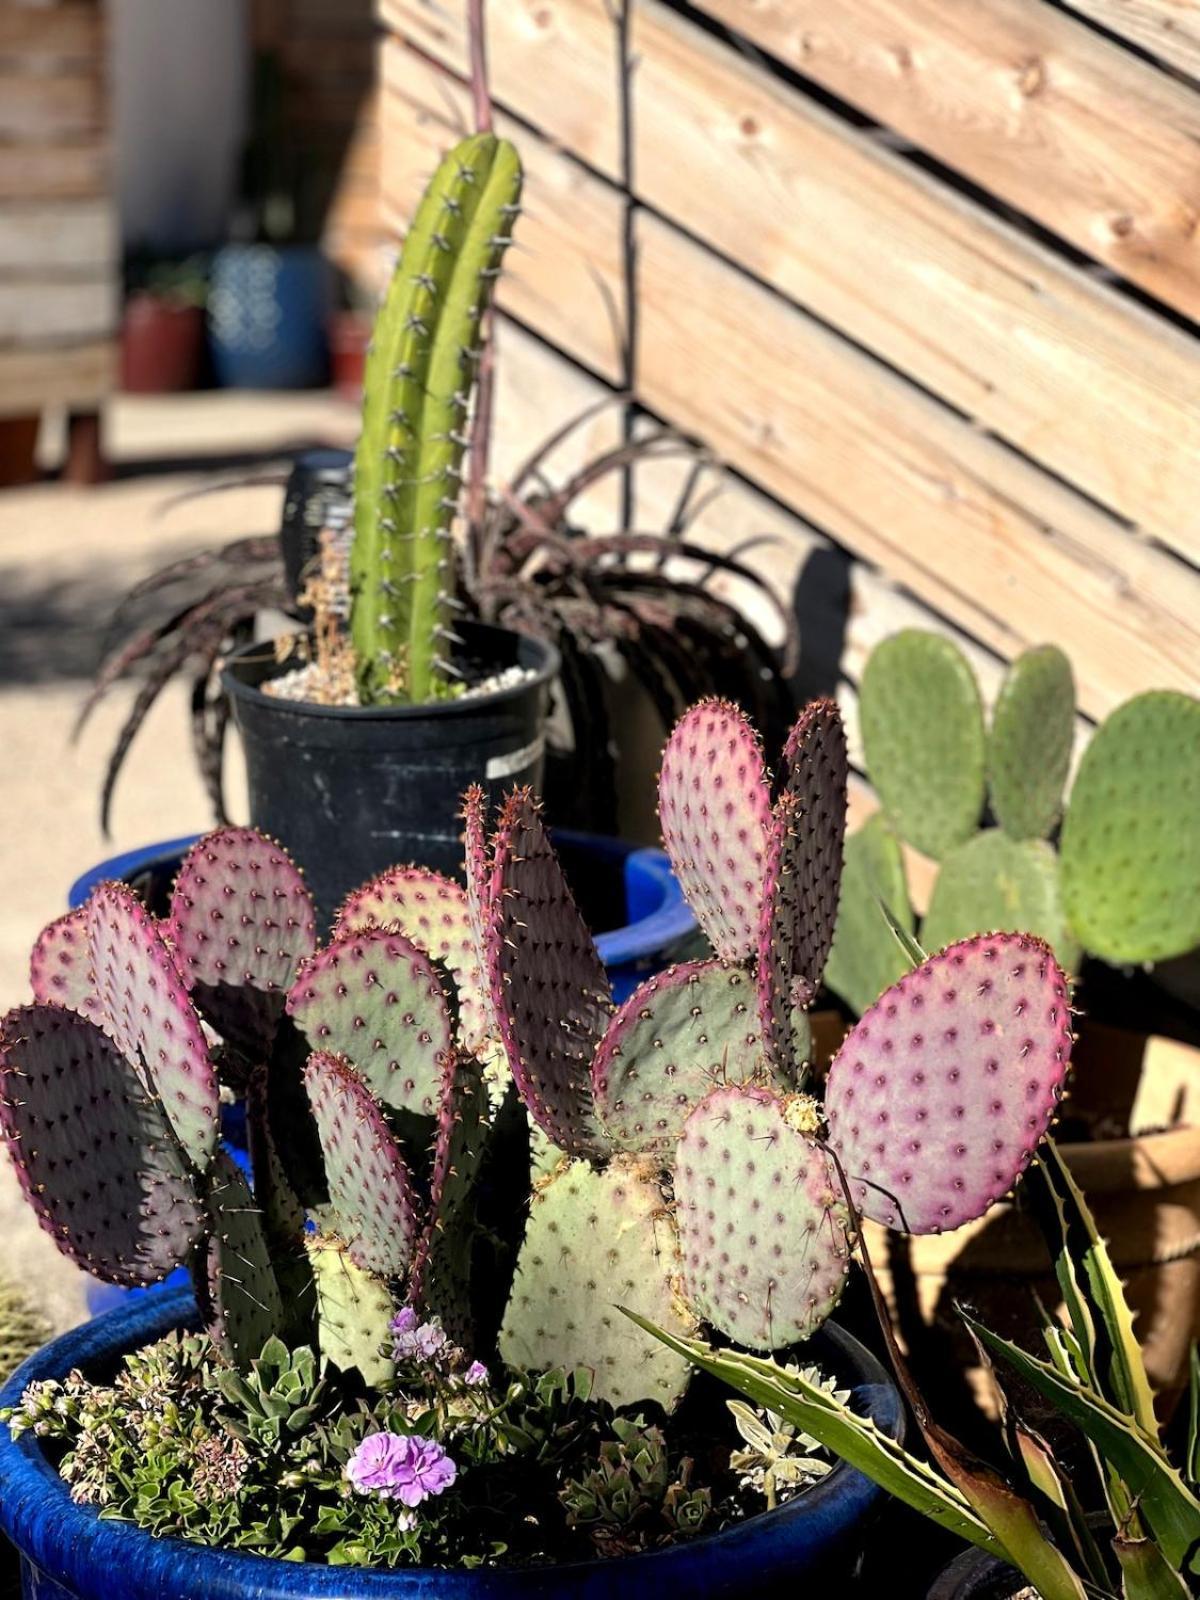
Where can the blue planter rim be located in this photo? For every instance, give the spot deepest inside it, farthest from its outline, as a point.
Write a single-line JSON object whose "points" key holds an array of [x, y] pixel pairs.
{"points": [[670, 921], [70, 1542]]}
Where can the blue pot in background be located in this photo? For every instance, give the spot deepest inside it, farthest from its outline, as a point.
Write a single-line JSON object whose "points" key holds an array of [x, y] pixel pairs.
{"points": [[68, 1553], [267, 312]]}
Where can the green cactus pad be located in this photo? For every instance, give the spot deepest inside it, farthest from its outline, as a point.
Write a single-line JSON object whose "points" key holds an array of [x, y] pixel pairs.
{"points": [[146, 1009], [441, 1275], [378, 1000], [866, 957], [1029, 747], [943, 1090], [762, 1226], [94, 1153], [1131, 837], [369, 1186], [354, 1313], [678, 1034], [596, 1241], [60, 966], [242, 1293], [419, 377], [714, 803], [803, 874], [241, 922], [994, 882], [922, 728], [549, 989], [433, 912]]}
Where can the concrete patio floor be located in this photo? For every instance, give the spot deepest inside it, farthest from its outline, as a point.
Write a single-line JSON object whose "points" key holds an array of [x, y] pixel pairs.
{"points": [[66, 557]]}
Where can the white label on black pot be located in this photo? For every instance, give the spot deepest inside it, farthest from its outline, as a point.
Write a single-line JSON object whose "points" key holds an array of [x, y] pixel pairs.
{"points": [[515, 760]]}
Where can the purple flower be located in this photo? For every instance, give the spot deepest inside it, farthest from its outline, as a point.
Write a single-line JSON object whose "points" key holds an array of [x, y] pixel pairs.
{"points": [[413, 1340], [399, 1466], [475, 1374]]}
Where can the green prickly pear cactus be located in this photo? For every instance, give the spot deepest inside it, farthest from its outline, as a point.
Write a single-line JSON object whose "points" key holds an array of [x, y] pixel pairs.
{"points": [[1029, 746], [993, 881], [1131, 838], [419, 379], [922, 728]]}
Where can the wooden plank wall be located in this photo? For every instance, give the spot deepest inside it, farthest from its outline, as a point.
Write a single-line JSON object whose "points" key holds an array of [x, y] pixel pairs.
{"points": [[924, 276], [58, 237]]}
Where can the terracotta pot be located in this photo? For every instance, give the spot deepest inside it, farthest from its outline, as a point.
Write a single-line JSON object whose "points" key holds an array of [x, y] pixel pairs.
{"points": [[349, 334], [1144, 1191], [162, 345]]}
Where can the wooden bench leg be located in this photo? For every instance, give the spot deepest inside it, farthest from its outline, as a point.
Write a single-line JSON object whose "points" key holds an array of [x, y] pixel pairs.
{"points": [[18, 443], [85, 463]]}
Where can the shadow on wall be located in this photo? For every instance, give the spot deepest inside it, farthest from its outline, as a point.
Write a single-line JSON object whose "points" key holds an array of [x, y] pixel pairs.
{"points": [[821, 606]]}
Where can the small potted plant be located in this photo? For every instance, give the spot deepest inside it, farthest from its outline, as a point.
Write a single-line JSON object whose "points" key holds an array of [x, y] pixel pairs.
{"points": [[1110, 877], [162, 326]]}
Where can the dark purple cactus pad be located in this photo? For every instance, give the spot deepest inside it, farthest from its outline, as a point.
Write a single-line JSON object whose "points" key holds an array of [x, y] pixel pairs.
{"points": [[939, 1096], [549, 989], [680, 1033], [803, 875], [60, 966], [147, 1011], [243, 1300], [434, 913], [763, 1227], [241, 922], [378, 1000], [94, 1153], [444, 1254], [369, 1185], [714, 803]]}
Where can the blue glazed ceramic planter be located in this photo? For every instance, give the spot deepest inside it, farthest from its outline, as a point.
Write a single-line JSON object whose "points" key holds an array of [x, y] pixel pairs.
{"points": [[68, 1553], [657, 916]]}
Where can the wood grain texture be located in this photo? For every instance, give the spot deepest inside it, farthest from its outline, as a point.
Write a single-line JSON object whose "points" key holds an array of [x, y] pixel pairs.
{"points": [[990, 542], [58, 239], [1074, 374], [35, 109], [34, 377], [1025, 100], [34, 38], [1169, 29], [37, 311]]}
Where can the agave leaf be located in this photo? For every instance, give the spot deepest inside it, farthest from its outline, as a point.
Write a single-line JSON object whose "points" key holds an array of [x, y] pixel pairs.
{"points": [[1145, 1571], [855, 1439], [1099, 1312], [913, 953], [1191, 1461], [1170, 1509]]}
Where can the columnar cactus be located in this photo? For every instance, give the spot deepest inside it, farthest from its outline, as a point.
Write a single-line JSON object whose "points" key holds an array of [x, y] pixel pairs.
{"points": [[419, 379], [674, 1167]]}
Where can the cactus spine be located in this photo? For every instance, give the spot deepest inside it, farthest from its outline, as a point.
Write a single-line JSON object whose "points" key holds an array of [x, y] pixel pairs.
{"points": [[420, 374]]}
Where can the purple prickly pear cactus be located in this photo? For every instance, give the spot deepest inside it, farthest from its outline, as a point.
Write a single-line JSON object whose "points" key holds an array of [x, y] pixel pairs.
{"points": [[434, 912], [146, 1009], [679, 1034], [714, 803], [803, 874], [369, 1185], [241, 922], [378, 1000], [763, 1228], [60, 966], [94, 1153], [939, 1096], [549, 989]]}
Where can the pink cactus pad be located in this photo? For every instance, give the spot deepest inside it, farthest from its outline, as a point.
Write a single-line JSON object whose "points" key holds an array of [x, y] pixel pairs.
{"points": [[762, 1225], [146, 1009], [714, 803], [240, 913], [369, 1185], [60, 966], [378, 1000], [434, 913], [939, 1096]]}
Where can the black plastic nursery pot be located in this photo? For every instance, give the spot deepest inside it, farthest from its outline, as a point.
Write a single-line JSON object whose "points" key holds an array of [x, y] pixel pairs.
{"points": [[975, 1575], [350, 791], [68, 1553]]}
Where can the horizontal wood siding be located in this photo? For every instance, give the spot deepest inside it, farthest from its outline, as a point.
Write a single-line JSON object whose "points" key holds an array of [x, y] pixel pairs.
{"points": [[975, 532]]}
